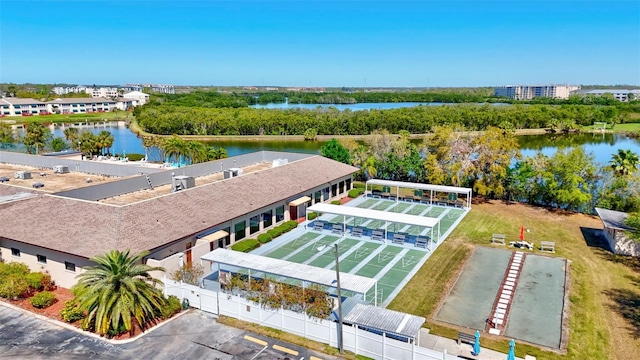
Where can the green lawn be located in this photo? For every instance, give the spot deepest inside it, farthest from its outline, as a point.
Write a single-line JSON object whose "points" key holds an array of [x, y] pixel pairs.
{"points": [[67, 118], [604, 294]]}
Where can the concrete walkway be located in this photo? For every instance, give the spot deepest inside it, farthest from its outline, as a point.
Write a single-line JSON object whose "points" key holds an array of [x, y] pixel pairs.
{"points": [[463, 350]]}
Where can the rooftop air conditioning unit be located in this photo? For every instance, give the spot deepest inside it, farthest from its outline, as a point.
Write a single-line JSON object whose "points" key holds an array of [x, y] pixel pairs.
{"points": [[279, 162], [182, 182], [23, 175], [232, 172], [60, 169]]}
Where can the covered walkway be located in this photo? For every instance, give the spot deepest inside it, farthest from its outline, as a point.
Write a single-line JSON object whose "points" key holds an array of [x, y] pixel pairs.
{"points": [[425, 193]]}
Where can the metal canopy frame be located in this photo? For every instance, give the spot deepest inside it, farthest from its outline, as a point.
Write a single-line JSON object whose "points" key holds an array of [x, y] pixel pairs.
{"points": [[416, 186]]}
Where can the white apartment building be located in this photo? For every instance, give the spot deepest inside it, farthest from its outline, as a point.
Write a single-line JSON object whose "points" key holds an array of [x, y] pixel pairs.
{"points": [[161, 88], [141, 97], [104, 92], [81, 105], [619, 94], [526, 92], [22, 107]]}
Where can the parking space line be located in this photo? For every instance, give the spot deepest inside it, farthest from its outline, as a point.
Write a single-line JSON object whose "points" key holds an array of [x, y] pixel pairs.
{"points": [[314, 358], [257, 341], [284, 349]]}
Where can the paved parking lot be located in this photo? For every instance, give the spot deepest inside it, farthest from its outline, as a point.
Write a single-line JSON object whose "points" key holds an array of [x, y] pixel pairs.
{"points": [[194, 335]]}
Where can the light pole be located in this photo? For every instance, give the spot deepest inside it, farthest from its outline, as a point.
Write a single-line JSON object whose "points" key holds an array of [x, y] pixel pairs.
{"points": [[340, 333]]}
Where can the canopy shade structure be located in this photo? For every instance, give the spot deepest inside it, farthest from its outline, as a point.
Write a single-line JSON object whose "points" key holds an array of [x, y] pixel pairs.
{"points": [[299, 201], [351, 211], [424, 187], [220, 234], [349, 282], [387, 321]]}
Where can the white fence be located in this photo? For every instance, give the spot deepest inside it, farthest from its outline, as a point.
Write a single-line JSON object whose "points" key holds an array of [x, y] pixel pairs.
{"points": [[356, 340]]}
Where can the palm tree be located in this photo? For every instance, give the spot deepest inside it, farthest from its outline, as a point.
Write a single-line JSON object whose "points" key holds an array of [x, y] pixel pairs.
{"points": [[368, 168], [105, 140], [624, 162], [174, 147], [118, 290], [217, 153], [196, 151], [71, 134]]}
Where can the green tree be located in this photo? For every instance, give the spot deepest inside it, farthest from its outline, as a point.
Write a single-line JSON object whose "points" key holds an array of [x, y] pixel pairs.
{"points": [[216, 153], [6, 137], [620, 193], [174, 147], [58, 144], [569, 178], [36, 138], [625, 162], [492, 152], [334, 150], [368, 168], [72, 135], [104, 140], [118, 290], [196, 151]]}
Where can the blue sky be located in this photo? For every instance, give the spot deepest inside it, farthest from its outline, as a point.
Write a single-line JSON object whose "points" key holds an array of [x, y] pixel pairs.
{"points": [[320, 43]]}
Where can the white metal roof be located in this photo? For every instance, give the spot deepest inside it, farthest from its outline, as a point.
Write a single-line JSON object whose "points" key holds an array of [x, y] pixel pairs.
{"points": [[613, 219], [374, 214], [388, 321], [349, 282], [443, 188]]}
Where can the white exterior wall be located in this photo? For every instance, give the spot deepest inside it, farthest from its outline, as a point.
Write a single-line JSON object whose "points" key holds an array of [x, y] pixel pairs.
{"points": [[526, 92], [141, 97], [619, 244], [55, 265]]}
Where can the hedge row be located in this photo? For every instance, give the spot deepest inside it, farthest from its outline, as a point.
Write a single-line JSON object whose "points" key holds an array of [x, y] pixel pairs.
{"points": [[354, 193], [250, 244], [245, 245], [312, 216], [335, 202], [359, 185]]}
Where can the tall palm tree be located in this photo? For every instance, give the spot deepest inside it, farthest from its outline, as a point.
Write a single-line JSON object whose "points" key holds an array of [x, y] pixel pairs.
{"points": [[196, 151], [217, 153], [368, 168], [624, 162], [174, 147], [118, 290], [104, 141]]}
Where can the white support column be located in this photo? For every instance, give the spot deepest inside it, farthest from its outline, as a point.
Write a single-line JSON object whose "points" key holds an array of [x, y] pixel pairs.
{"points": [[218, 293], [431, 198], [383, 341], [375, 294]]}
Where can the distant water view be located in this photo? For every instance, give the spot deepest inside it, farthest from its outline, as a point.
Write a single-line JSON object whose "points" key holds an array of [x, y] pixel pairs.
{"points": [[602, 146], [354, 107]]}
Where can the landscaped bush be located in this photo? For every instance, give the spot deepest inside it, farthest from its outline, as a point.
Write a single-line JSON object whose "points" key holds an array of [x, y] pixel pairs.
{"points": [[274, 233], [172, 306], [34, 280], [359, 185], [290, 225], [13, 268], [311, 216], [335, 202], [354, 193], [13, 286], [246, 245], [264, 238], [135, 157], [71, 312], [43, 300]]}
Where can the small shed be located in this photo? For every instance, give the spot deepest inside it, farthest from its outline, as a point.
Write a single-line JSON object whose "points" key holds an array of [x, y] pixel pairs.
{"points": [[60, 169], [23, 175]]}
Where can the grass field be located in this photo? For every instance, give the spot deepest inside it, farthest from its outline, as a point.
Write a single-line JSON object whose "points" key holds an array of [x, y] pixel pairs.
{"points": [[604, 310], [67, 118]]}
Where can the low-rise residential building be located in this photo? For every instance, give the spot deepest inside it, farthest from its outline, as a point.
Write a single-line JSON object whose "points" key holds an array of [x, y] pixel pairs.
{"points": [[59, 234], [141, 97], [22, 107], [527, 92], [623, 95], [81, 105]]}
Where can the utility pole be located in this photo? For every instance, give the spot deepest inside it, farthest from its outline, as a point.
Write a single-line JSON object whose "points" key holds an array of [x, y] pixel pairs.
{"points": [[340, 333]]}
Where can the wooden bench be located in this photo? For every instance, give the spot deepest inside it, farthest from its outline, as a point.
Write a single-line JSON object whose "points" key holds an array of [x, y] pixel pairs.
{"points": [[548, 246], [466, 338], [498, 239], [377, 235], [337, 229], [318, 226], [422, 242], [398, 238], [357, 231]]}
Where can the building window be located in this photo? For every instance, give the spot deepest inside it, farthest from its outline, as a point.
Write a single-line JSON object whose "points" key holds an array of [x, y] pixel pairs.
{"points": [[317, 197], [348, 182], [254, 224], [279, 213], [240, 230], [16, 106], [42, 259], [334, 190], [227, 239], [15, 252], [267, 218], [341, 187], [69, 266]]}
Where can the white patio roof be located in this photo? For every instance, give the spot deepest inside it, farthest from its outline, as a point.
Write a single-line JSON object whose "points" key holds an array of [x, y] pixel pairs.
{"points": [[348, 282], [442, 188], [385, 320], [374, 214]]}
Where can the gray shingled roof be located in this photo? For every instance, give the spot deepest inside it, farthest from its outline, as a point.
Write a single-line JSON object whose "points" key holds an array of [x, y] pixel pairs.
{"points": [[20, 101], [613, 219], [388, 321], [87, 228], [80, 101]]}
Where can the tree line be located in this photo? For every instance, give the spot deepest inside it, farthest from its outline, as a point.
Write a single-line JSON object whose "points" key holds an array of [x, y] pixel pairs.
{"points": [[491, 164], [168, 119]]}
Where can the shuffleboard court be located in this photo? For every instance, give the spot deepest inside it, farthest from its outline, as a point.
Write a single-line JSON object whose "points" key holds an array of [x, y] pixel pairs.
{"points": [[417, 209], [327, 255], [367, 203], [312, 249], [435, 211], [375, 265], [400, 207], [536, 311], [357, 256], [288, 248], [383, 205], [375, 224], [470, 301]]}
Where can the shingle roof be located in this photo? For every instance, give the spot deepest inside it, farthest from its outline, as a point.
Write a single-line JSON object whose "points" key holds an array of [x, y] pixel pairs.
{"points": [[613, 219], [88, 228], [19, 101], [80, 101]]}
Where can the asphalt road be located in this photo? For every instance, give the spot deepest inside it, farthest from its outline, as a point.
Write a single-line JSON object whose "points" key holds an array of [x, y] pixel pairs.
{"points": [[194, 335]]}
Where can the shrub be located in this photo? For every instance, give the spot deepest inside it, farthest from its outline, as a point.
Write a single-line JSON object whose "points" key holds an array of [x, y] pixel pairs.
{"points": [[354, 193], [359, 185], [264, 238], [71, 312], [43, 300], [246, 245], [135, 157], [115, 332], [34, 281], [172, 306], [190, 273], [312, 216], [291, 224], [311, 134], [13, 286], [335, 202], [274, 233], [13, 268]]}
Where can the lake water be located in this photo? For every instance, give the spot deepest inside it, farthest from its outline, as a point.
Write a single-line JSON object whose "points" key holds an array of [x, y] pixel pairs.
{"points": [[354, 107], [602, 146]]}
